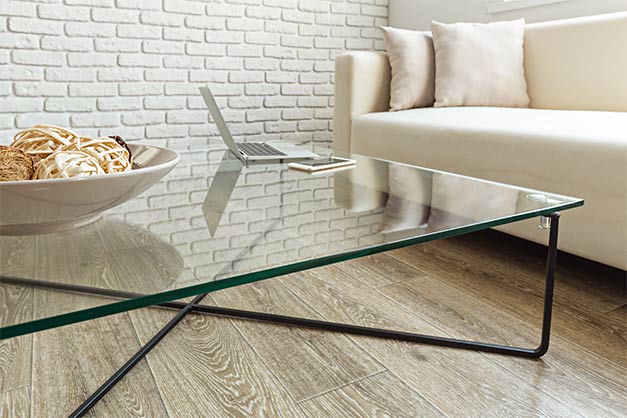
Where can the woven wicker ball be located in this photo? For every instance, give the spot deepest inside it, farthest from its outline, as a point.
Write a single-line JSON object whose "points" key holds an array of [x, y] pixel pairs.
{"points": [[43, 140], [66, 164], [112, 157], [15, 164]]}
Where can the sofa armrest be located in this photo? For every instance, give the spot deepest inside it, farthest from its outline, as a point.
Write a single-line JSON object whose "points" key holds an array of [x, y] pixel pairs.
{"points": [[362, 85]]}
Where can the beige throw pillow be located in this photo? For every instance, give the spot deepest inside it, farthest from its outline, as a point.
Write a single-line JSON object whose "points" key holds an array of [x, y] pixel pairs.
{"points": [[412, 64], [480, 64]]}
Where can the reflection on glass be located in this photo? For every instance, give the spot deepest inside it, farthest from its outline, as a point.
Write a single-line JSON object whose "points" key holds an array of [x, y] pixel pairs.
{"points": [[107, 254], [409, 203], [212, 218], [220, 190]]}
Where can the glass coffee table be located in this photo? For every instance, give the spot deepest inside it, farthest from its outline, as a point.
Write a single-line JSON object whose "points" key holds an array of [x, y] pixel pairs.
{"points": [[214, 223]]}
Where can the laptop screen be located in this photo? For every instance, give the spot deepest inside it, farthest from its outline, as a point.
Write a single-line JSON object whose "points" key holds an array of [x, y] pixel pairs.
{"points": [[216, 115]]}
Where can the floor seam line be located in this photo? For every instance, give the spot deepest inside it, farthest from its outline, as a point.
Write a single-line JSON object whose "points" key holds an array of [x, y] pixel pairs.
{"points": [[615, 309], [343, 385], [15, 388]]}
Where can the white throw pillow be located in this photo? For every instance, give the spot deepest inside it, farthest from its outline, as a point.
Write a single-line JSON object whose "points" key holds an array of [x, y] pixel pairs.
{"points": [[480, 64], [412, 64]]}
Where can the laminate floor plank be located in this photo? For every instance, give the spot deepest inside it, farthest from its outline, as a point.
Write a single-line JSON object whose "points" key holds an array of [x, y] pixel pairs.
{"points": [[307, 362], [379, 270], [523, 296], [71, 362], [17, 259], [593, 286], [16, 306], [456, 382], [81, 356], [15, 403], [619, 314], [205, 368], [75, 257], [139, 260], [15, 353], [567, 372], [381, 395]]}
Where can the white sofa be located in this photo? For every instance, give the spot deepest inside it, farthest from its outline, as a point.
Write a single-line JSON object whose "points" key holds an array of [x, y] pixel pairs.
{"points": [[571, 141]]}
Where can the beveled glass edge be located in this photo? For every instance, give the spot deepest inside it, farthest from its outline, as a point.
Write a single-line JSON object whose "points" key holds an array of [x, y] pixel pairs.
{"points": [[256, 276]]}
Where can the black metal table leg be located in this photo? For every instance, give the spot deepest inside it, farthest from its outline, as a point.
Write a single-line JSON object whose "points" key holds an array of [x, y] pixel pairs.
{"points": [[549, 286]]}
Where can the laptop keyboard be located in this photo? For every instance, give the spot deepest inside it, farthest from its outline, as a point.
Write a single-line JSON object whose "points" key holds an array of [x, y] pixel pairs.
{"points": [[259, 149]]}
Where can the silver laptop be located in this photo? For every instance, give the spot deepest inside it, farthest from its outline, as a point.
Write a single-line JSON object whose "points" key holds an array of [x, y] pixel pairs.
{"points": [[252, 151]]}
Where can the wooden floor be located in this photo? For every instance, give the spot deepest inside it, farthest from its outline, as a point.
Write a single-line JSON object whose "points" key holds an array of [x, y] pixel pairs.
{"points": [[485, 286]]}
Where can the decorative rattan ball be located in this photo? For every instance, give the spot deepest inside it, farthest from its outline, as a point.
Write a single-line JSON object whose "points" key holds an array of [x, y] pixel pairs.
{"points": [[112, 157], [65, 164], [43, 140]]}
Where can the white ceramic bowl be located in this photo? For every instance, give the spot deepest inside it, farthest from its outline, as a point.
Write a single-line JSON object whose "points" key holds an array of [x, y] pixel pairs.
{"points": [[40, 206]]}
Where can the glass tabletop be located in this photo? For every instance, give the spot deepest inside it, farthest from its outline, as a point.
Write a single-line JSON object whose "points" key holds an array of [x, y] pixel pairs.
{"points": [[214, 223]]}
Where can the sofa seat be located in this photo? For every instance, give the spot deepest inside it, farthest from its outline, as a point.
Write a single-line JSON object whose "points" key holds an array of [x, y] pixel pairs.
{"points": [[491, 126], [575, 153]]}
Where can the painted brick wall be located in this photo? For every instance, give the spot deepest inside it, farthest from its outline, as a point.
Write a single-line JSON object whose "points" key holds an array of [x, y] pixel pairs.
{"points": [[132, 67]]}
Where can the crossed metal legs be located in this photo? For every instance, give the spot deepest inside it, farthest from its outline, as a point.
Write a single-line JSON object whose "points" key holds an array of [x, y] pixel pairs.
{"points": [[194, 306]]}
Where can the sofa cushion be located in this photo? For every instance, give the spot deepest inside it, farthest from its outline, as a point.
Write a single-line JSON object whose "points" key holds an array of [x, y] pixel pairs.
{"points": [[578, 64], [430, 133], [412, 66], [570, 152], [480, 64]]}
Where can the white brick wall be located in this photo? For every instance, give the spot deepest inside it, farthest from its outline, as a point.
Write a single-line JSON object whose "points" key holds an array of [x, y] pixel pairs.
{"points": [[132, 67]]}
